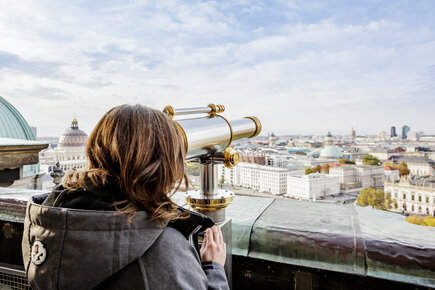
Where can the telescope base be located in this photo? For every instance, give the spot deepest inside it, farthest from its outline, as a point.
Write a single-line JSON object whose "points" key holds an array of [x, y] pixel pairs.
{"points": [[210, 205]]}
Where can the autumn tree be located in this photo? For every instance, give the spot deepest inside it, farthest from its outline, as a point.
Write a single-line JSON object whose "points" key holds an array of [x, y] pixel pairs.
{"points": [[371, 160], [374, 198], [325, 168], [308, 171], [403, 169], [426, 221], [317, 169]]}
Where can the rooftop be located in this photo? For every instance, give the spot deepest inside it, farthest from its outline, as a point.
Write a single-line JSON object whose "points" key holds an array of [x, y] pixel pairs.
{"points": [[341, 238], [411, 159], [12, 123]]}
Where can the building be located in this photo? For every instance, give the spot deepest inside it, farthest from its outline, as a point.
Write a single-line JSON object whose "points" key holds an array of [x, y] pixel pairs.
{"points": [[330, 151], [312, 186], [354, 178], [19, 160], [253, 157], [405, 130], [417, 165], [258, 177], [35, 131], [352, 134], [272, 140], [393, 132], [382, 136], [416, 136], [71, 149], [70, 152], [391, 174], [413, 196], [382, 154]]}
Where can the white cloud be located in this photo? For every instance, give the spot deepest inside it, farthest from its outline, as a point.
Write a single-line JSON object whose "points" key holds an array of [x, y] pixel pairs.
{"points": [[266, 60]]}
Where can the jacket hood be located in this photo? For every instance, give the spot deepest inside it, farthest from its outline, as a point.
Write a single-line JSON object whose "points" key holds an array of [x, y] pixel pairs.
{"points": [[66, 248]]}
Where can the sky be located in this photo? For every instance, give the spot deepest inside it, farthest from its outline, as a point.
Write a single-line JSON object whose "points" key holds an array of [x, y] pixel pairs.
{"points": [[301, 67]]}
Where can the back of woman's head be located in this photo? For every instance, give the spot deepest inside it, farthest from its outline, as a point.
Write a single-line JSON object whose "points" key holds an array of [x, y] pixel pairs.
{"points": [[140, 151]]}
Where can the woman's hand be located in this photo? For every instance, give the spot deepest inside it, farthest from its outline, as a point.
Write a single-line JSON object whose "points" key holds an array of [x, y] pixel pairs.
{"points": [[213, 247]]}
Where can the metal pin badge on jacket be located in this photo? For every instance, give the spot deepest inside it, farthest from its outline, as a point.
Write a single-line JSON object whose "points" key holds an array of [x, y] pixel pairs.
{"points": [[39, 253]]}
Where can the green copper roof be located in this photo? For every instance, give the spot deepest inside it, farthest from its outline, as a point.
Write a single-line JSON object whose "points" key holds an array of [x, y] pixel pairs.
{"points": [[331, 151], [12, 123], [14, 126]]}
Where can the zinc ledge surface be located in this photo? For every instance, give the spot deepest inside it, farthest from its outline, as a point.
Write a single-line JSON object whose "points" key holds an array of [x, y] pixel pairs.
{"points": [[341, 238]]}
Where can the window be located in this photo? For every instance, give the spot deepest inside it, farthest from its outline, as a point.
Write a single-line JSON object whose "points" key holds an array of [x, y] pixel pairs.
{"points": [[419, 198], [404, 196], [412, 198], [395, 194], [427, 199]]}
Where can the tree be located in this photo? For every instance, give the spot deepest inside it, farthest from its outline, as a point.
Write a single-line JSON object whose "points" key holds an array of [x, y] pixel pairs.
{"points": [[371, 160], [414, 220], [346, 161], [325, 168], [388, 201], [429, 221], [426, 221], [308, 171], [317, 169], [395, 204], [374, 198], [192, 168], [403, 169], [362, 199]]}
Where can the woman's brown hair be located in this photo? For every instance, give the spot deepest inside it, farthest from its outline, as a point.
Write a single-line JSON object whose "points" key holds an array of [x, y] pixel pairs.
{"points": [[141, 151]]}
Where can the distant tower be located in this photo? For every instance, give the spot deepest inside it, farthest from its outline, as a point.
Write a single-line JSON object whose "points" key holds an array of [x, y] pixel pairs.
{"points": [[405, 130], [382, 135], [272, 140], [329, 140], [352, 134], [393, 132], [34, 130]]}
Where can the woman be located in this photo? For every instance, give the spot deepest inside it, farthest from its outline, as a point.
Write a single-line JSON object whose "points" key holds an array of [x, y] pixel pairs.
{"points": [[108, 226]]}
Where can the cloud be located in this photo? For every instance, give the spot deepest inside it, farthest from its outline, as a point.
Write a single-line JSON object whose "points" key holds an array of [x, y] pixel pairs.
{"points": [[10, 61], [300, 61]]}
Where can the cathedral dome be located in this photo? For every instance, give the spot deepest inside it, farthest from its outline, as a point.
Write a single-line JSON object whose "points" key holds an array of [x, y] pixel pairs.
{"points": [[330, 151], [12, 123], [73, 137]]}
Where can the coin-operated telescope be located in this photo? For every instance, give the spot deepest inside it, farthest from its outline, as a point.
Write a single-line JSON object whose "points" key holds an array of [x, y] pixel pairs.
{"points": [[207, 138]]}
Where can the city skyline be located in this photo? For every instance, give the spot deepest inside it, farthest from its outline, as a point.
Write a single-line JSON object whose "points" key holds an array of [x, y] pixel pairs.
{"points": [[301, 68], [264, 133]]}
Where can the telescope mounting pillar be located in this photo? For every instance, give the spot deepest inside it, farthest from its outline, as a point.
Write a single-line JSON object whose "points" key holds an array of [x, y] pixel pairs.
{"points": [[209, 199]]}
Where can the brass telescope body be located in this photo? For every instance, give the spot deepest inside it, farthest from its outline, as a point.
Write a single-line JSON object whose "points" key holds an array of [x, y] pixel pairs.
{"points": [[207, 137]]}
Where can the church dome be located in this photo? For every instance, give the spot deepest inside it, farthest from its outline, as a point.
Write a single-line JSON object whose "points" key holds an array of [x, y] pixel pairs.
{"points": [[73, 137], [14, 126], [330, 151], [12, 123]]}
